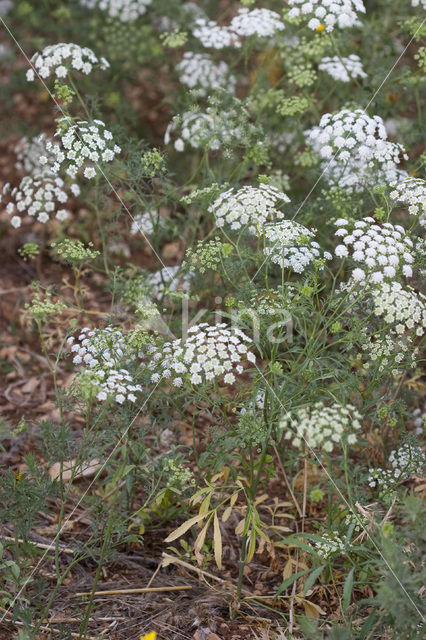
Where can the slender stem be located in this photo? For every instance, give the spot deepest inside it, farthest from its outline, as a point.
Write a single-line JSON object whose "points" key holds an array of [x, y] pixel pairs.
{"points": [[242, 564], [105, 545]]}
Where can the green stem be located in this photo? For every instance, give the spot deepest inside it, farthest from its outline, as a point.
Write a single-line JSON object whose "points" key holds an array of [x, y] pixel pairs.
{"points": [[105, 545]]}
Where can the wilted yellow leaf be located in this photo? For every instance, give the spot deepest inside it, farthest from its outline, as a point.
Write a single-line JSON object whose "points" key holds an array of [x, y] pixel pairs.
{"points": [[217, 541], [198, 545], [184, 528]]}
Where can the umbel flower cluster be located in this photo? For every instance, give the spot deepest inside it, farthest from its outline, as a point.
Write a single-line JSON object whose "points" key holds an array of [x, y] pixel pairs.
{"points": [[124, 10], [330, 545], [250, 207], [404, 462], [402, 315], [62, 58], [419, 3], [213, 36], [209, 352], [291, 245], [380, 250], [257, 22], [103, 352], [83, 145], [168, 279], [98, 346], [404, 309], [29, 152], [330, 14], [411, 192], [37, 197], [145, 223], [203, 130], [355, 151], [322, 427], [198, 71], [343, 69]]}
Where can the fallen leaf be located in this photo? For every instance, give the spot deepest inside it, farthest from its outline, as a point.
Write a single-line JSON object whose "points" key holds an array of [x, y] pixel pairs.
{"points": [[31, 385], [69, 470]]}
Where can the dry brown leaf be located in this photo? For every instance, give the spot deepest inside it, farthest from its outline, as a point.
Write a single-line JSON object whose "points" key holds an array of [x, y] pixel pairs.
{"points": [[69, 470], [31, 385]]}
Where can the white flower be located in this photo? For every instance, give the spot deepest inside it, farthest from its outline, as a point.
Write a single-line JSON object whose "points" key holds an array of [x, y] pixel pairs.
{"points": [[259, 22], [62, 57], [89, 172], [211, 35], [399, 306], [249, 207], [343, 69], [124, 10], [179, 145], [100, 346], [35, 197], [404, 462], [208, 353], [329, 13], [412, 193], [198, 71], [379, 250], [33, 156], [208, 130], [330, 545], [145, 222], [291, 245], [322, 427], [168, 279], [81, 145], [355, 151]]}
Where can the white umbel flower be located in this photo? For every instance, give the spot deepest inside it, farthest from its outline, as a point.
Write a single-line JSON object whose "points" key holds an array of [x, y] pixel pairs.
{"points": [[355, 151], [330, 545], [322, 427], [209, 353], [168, 279], [407, 460], [145, 223], [291, 245], [198, 71], [404, 462], [33, 156], [207, 130], [412, 193], [62, 58], [94, 347], [249, 207], [124, 10], [40, 198], [405, 309], [419, 3], [104, 355], [257, 22], [84, 146], [213, 36], [378, 251], [111, 384], [330, 14], [343, 69]]}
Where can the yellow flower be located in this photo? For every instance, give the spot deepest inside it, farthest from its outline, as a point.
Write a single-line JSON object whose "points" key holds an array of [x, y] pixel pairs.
{"points": [[321, 28], [152, 635], [18, 476]]}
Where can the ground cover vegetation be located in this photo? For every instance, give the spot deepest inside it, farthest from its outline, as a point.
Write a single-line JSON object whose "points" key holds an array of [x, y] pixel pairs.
{"points": [[211, 225]]}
